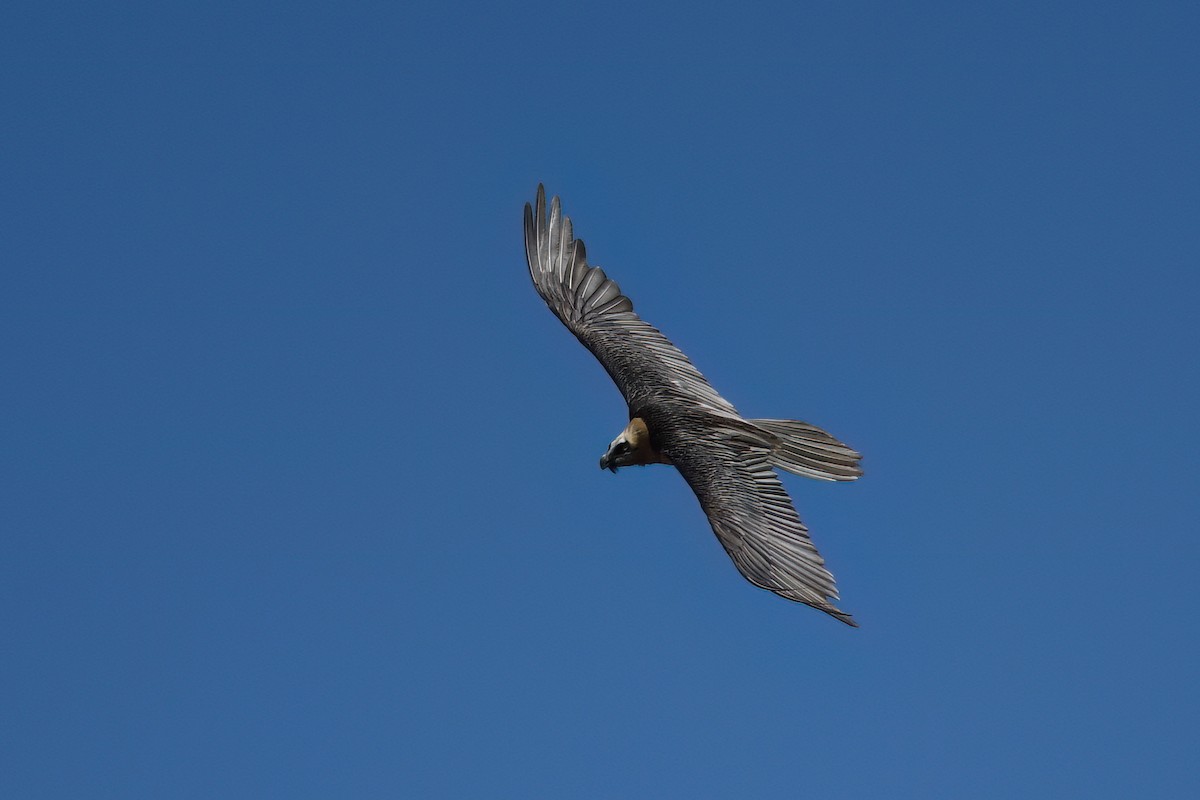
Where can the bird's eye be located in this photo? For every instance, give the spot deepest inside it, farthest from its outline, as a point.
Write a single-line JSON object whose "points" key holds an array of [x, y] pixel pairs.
{"points": [[623, 447]]}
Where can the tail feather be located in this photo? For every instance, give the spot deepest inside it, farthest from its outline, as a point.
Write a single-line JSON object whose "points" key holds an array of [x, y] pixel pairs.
{"points": [[807, 450]]}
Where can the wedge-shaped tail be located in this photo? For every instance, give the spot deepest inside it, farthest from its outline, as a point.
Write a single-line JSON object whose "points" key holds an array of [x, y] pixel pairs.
{"points": [[807, 450]]}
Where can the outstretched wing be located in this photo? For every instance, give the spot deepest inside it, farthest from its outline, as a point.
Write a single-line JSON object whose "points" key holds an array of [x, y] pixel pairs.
{"points": [[753, 516], [636, 355]]}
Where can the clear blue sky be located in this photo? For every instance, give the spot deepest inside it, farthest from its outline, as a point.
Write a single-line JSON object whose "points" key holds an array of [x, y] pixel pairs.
{"points": [[299, 492]]}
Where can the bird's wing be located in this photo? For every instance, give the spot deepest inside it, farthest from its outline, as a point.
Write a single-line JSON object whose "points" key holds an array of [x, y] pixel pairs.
{"points": [[640, 360], [752, 514]]}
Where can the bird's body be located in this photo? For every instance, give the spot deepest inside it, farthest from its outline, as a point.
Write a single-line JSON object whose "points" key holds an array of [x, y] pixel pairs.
{"points": [[677, 418]]}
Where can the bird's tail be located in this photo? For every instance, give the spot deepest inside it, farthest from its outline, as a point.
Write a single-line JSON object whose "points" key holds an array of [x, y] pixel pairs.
{"points": [[807, 450]]}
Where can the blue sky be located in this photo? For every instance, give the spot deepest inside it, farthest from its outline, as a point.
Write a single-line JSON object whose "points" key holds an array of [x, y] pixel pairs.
{"points": [[299, 495]]}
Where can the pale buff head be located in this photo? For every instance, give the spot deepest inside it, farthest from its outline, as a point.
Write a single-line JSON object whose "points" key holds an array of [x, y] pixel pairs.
{"points": [[632, 448]]}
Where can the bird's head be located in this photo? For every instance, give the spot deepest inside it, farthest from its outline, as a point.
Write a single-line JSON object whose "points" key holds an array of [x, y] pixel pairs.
{"points": [[619, 454], [629, 448]]}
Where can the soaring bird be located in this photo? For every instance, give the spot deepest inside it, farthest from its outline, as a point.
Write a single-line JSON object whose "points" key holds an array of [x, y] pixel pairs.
{"points": [[677, 418]]}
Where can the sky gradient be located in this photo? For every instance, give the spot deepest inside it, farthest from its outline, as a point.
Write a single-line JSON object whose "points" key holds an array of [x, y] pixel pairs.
{"points": [[300, 497]]}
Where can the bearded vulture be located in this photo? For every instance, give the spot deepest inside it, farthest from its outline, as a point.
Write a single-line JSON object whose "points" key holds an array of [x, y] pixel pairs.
{"points": [[677, 418]]}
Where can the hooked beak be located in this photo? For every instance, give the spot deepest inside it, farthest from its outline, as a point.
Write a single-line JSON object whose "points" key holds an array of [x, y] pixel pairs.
{"points": [[606, 464]]}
